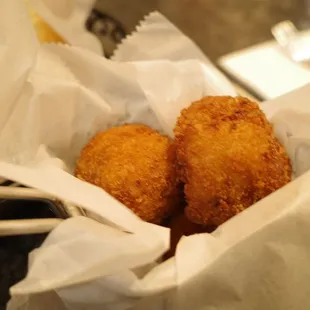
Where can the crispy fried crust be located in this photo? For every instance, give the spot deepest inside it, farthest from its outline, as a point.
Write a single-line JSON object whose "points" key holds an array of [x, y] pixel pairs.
{"points": [[180, 226], [136, 165], [228, 158]]}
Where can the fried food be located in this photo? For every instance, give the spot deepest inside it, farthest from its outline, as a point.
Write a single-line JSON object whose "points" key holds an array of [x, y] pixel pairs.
{"points": [[180, 226], [45, 33], [228, 158], [136, 165]]}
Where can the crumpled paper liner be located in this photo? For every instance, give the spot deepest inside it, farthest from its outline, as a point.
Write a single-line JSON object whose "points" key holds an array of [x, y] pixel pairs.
{"points": [[67, 94]]}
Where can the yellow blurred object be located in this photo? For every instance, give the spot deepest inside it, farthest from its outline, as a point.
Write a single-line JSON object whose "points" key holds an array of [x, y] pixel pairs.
{"points": [[45, 33]]}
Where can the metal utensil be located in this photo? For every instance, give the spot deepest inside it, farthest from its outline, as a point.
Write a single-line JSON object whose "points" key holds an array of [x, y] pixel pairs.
{"points": [[34, 226]]}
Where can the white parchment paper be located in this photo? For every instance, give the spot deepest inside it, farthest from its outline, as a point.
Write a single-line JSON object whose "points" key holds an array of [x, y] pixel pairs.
{"points": [[66, 17], [64, 95]]}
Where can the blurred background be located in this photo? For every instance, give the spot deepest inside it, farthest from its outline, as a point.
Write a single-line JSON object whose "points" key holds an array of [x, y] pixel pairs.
{"points": [[217, 26]]}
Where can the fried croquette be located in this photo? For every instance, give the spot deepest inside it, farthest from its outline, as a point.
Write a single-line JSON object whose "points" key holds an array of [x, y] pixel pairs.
{"points": [[228, 158], [181, 226], [136, 165]]}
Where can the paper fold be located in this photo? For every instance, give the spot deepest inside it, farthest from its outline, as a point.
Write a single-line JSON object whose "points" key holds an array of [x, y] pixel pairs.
{"points": [[156, 38], [15, 66]]}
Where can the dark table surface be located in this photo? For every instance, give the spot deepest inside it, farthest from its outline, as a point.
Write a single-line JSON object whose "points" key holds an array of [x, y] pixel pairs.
{"points": [[14, 250], [218, 27]]}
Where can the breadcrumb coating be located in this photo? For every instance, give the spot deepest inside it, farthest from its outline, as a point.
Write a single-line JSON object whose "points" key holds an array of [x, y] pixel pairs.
{"points": [[136, 165], [228, 158], [180, 226]]}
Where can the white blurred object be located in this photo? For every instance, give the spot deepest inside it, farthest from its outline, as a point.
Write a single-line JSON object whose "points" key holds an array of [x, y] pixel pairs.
{"points": [[273, 68], [296, 46]]}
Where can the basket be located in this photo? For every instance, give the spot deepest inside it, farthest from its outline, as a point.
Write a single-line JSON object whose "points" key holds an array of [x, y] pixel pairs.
{"points": [[13, 191]]}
